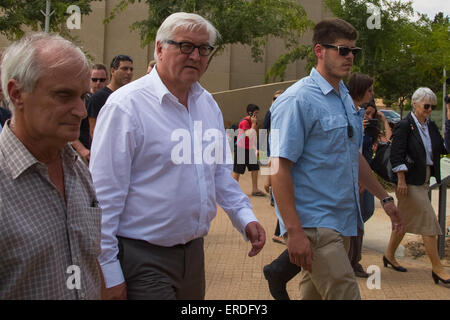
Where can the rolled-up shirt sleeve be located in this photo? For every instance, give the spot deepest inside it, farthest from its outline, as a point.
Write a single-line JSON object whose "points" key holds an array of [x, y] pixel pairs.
{"points": [[399, 168]]}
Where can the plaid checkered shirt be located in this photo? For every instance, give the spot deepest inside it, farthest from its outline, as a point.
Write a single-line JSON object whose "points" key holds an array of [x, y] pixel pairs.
{"points": [[48, 246]]}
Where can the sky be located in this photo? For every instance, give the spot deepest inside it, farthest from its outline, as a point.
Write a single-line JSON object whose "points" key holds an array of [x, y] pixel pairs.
{"points": [[431, 7]]}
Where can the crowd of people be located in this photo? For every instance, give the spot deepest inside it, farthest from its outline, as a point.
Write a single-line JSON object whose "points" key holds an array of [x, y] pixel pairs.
{"points": [[89, 184]]}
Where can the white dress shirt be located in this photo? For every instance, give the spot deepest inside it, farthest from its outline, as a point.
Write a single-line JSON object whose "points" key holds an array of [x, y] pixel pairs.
{"points": [[158, 171]]}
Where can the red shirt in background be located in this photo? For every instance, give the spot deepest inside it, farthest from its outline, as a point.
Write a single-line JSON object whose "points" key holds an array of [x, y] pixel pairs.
{"points": [[242, 142]]}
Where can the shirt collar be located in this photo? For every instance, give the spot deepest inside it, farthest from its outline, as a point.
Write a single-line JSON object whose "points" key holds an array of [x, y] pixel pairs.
{"points": [[425, 125], [324, 85], [19, 159], [160, 90]]}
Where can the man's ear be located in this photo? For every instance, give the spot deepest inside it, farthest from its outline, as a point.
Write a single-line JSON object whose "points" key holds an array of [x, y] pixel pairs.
{"points": [[319, 51], [15, 93], [159, 47]]}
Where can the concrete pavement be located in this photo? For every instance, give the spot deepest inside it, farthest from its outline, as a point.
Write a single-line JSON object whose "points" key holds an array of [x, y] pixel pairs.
{"points": [[232, 275]]}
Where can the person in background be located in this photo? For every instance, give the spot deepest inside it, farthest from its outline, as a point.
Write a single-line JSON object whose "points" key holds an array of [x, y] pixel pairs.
{"points": [[99, 77], [246, 153], [97, 82], [5, 114], [277, 236], [415, 156], [121, 74], [360, 87], [150, 66]]}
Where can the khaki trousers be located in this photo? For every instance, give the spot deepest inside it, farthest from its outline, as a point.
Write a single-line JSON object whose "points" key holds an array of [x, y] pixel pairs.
{"points": [[332, 276]]}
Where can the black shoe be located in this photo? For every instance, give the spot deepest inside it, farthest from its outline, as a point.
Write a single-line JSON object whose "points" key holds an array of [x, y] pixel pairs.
{"points": [[361, 273], [277, 286], [386, 262], [436, 278]]}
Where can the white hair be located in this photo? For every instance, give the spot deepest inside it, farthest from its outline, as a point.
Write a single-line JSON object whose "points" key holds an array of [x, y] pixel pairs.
{"points": [[23, 60], [421, 94], [185, 21]]}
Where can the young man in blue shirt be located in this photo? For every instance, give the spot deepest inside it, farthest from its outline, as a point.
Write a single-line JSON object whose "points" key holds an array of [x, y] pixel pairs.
{"points": [[317, 165]]}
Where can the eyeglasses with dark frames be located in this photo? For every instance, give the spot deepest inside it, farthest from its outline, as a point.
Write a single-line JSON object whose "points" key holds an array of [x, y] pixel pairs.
{"points": [[98, 79], [188, 47], [428, 106], [343, 50]]}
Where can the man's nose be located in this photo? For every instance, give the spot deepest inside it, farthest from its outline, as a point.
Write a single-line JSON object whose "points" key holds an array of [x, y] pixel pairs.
{"points": [[80, 109], [195, 55]]}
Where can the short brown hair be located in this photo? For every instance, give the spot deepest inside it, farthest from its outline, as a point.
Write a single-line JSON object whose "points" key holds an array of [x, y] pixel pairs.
{"points": [[329, 30], [99, 66], [358, 83]]}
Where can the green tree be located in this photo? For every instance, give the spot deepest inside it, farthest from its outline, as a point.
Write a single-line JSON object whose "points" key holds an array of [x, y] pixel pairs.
{"points": [[247, 22], [403, 54], [16, 16]]}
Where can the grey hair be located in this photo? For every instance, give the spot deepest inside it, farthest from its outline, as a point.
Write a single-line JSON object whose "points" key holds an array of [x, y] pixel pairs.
{"points": [[186, 21], [423, 93], [22, 60]]}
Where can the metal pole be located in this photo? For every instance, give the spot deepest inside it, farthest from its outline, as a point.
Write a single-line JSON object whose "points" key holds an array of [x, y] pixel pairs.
{"points": [[442, 216], [444, 94], [47, 15]]}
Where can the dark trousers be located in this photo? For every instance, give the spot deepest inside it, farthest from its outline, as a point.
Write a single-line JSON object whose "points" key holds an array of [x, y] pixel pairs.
{"points": [[354, 252], [163, 273]]}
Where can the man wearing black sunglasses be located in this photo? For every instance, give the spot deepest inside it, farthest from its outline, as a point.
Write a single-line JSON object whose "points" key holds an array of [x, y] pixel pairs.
{"points": [[121, 73], [318, 166], [97, 82], [98, 77]]}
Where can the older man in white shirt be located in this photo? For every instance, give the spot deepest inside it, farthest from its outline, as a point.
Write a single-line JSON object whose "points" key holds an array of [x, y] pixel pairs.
{"points": [[159, 165]]}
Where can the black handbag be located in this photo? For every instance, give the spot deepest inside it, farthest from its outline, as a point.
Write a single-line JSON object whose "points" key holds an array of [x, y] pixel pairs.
{"points": [[381, 163]]}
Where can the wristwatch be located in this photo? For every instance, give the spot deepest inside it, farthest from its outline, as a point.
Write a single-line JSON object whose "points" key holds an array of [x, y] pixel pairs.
{"points": [[386, 200]]}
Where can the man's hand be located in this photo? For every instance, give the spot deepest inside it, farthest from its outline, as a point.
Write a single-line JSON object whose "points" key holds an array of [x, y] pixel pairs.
{"points": [[257, 236], [300, 251], [118, 292], [392, 211], [86, 154], [254, 120]]}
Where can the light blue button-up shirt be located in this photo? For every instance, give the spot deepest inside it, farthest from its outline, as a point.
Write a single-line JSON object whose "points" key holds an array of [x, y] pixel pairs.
{"points": [[309, 127]]}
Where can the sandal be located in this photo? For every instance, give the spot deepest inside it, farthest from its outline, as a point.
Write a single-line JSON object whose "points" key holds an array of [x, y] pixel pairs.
{"points": [[258, 194]]}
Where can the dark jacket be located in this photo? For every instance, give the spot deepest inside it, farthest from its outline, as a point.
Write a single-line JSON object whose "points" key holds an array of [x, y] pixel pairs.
{"points": [[5, 114], [408, 148]]}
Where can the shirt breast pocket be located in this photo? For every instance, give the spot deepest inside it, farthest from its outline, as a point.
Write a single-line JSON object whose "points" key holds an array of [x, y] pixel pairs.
{"points": [[334, 133]]}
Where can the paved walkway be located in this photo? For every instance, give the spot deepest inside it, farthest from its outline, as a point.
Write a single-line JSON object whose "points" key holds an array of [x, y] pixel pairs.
{"points": [[232, 275]]}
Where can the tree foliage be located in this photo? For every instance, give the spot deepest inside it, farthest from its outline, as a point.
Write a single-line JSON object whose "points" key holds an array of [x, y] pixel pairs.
{"points": [[408, 50], [16, 16], [247, 22]]}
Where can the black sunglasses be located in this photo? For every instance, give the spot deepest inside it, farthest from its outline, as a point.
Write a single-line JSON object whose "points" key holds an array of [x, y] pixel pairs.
{"points": [[188, 47], [343, 50], [349, 130], [98, 79], [428, 106]]}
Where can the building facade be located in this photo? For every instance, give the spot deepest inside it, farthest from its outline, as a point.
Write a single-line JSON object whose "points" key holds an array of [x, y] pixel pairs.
{"points": [[231, 69]]}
